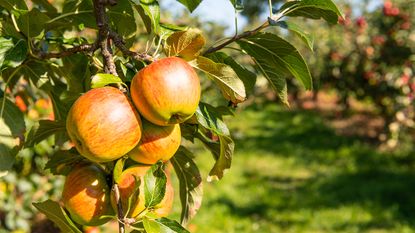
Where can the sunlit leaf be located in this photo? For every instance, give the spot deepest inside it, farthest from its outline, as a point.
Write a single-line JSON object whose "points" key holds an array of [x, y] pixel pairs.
{"points": [[225, 77], [118, 169], [101, 80], [154, 185], [247, 77], [186, 44]]}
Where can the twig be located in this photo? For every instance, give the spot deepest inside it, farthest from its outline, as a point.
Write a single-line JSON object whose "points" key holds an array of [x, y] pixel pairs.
{"points": [[121, 225], [236, 38], [120, 44], [84, 48]]}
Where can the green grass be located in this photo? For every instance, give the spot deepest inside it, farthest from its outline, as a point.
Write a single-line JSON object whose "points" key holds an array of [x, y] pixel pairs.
{"points": [[292, 173]]}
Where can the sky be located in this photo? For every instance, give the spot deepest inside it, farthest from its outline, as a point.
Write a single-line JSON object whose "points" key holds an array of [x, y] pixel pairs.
{"points": [[222, 12], [219, 11]]}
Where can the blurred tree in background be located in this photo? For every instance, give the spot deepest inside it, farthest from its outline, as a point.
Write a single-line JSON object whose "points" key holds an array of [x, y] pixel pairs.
{"points": [[370, 58]]}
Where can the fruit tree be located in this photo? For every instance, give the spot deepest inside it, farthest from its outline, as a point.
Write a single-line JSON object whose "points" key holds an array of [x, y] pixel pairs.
{"points": [[126, 85]]}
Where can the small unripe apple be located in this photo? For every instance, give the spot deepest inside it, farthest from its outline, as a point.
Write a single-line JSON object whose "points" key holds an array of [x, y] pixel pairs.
{"points": [[103, 124], [86, 195], [126, 187], [157, 143], [167, 91]]}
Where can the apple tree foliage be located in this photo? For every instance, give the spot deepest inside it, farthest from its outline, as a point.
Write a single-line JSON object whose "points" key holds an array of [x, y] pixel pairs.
{"points": [[61, 49]]}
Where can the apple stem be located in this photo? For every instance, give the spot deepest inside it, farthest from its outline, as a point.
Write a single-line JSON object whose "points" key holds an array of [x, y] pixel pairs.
{"points": [[120, 212]]}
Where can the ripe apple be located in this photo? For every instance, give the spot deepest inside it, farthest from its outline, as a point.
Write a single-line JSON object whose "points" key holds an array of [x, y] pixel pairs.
{"points": [[103, 124], [126, 186], [167, 91], [157, 143], [86, 195]]}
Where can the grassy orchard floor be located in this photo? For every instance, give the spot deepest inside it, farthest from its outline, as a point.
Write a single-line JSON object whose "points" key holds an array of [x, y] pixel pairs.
{"points": [[293, 173]]}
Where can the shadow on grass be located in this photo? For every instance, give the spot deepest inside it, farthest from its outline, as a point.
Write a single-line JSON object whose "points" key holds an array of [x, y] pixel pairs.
{"points": [[355, 173]]}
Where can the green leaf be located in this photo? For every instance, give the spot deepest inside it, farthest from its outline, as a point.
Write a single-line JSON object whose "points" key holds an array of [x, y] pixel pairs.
{"points": [[119, 166], [60, 109], [6, 45], [13, 4], [62, 161], [276, 59], [58, 215], [12, 129], [222, 150], [232, 87], [190, 4], [46, 5], [76, 12], [42, 130], [313, 9], [120, 15], [101, 80], [190, 182], [162, 225], [75, 70], [154, 185], [167, 29], [30, 27], [307, 38], [133, 197], [247, 77], [149, 11], [186, 44], [12, 54], [7, 29], [210, 118]]}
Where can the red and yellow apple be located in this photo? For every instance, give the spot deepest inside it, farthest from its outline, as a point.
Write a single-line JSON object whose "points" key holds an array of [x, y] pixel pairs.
{"points": [[167, 91], [126, 187], [103, 124], [86, 195], [157, 143]]}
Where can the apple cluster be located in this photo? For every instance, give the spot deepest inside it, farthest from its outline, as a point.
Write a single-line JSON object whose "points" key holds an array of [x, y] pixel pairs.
{"points": [[105, 125]]}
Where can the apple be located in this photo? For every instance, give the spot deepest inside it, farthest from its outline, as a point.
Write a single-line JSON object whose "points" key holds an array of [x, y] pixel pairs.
{"points": [[157, 143], [86, 195], [126, 187], [103, 124], [167, 91]]}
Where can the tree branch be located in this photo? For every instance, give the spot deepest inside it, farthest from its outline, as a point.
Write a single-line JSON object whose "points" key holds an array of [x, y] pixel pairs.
{"points": [[236, 38], [120, 44], [103, 32], [120, 212]]}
